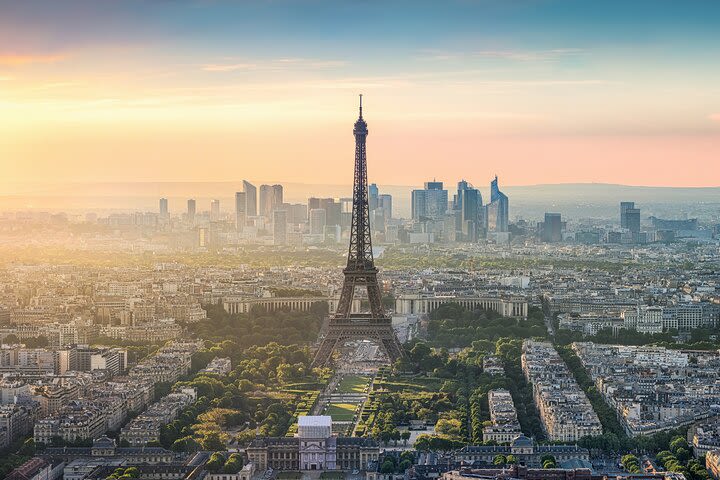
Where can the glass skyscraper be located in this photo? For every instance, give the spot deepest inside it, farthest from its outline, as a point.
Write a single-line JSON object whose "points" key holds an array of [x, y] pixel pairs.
{"points": [[497, 211], [429, 203]]}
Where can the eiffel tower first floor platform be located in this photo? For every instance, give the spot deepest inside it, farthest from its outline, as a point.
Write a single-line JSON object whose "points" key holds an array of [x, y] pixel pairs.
{"points": [[358, 327]]}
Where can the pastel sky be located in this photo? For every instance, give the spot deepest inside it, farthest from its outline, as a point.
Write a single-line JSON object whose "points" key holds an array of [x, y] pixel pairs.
{"points": [[534, 91]]}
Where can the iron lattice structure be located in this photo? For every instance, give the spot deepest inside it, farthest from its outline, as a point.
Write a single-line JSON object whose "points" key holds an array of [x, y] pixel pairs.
{"points": [[360, 271]]}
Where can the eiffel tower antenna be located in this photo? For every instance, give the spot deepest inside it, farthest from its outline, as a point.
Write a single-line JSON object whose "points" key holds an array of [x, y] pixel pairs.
{"points": [[360, 271]]}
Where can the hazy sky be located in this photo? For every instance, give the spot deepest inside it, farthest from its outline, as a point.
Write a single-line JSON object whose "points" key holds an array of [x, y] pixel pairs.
{"points": [[534, 91]]}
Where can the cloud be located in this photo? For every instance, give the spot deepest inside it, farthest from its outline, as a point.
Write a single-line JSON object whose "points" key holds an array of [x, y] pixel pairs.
{"points": [[274, 64], [529, 55], [714, 117], [308, 62], [511, 55], [228, 67], [13, 59]]}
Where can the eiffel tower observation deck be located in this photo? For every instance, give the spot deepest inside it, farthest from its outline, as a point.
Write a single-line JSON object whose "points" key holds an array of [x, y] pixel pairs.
{"points": [[360, 272]]}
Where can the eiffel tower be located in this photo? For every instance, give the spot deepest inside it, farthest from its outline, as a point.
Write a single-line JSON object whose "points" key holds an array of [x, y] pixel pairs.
{"points": [[360, 271]]}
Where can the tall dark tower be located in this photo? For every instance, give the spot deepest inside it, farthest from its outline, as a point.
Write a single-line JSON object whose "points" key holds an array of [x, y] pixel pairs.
{"points": [[359, 272]]}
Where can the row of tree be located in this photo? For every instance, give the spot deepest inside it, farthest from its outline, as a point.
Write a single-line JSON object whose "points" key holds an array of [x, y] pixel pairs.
{"points": [[260, 327], [452, 325]]}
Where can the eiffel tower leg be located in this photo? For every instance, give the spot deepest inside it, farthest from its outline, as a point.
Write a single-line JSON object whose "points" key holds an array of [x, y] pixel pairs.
{"points": [[374, 298], [346, 297], [392, 348], [324, 353], [387, 342]]}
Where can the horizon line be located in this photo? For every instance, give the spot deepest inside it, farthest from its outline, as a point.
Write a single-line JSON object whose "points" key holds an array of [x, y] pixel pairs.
{"points": [[280, 182]]}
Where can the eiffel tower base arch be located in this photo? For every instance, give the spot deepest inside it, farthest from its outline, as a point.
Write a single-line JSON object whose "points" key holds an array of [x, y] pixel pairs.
{"points": [[376, 330]]}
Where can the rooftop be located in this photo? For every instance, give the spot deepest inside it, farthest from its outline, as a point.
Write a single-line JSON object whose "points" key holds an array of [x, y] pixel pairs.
{"points": [[315, 421]]}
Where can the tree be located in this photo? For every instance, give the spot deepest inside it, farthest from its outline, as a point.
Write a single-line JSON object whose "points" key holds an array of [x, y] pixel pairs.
{"points": [[663, 456], [234, 464], [548, 461], [500, 460], [405, 435], [37, 342], [511, 460], [185, 444], [422, 443], [631, 463], [387, 466], [132, 472], [682, 454], [451, 427], [28, 447], [216, 462], [395, 435], [212, 441], [677, 443]]}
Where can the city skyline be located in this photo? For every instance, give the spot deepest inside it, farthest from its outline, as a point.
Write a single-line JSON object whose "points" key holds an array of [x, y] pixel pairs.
{"points": [[535, 92]]}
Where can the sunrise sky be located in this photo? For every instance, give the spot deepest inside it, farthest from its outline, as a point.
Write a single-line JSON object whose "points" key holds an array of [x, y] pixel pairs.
{"points": [[534, 91]]}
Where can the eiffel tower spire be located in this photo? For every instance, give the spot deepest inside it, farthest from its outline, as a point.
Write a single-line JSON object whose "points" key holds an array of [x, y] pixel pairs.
{"points": [[359, 272]]}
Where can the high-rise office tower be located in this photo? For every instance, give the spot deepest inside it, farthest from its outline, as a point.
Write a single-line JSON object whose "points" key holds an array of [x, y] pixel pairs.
{"points": [[277, 196], [497, 211], [250, 199], [279, 227], [457, 201], [377, 220], [191, 211], [632, 221], [346, 205], [270, 198], [471, 213], [380, 208], [331, 207], [385, 203], [317, 221], [624, 207], [240, 210], [418, 205], [373, 193], [298, 213], [265, 200], [163, 207], [429, 203], [215, 210], [552, 227]]}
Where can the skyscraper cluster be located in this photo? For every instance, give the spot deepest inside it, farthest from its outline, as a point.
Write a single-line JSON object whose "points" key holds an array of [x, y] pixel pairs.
{"points": [[466, 218], [260, 214]]}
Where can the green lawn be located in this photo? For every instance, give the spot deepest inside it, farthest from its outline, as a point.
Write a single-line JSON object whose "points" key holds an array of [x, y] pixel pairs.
{"points": [[353, 384], [332, 475], [417, 384], [289, 476], [341, 412]]}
